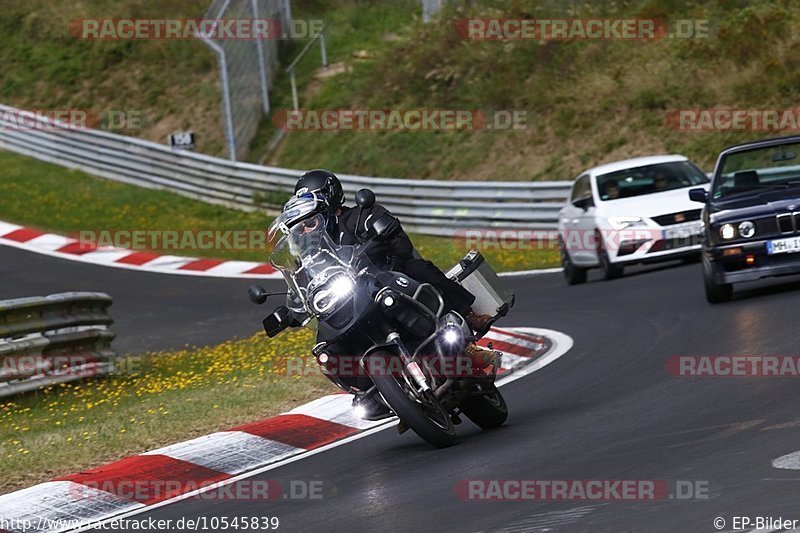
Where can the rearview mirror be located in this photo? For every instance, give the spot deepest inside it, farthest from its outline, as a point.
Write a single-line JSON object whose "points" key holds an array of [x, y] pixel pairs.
{"points": [[257, 294], [698, 195], [585, 202], [784, 155]]}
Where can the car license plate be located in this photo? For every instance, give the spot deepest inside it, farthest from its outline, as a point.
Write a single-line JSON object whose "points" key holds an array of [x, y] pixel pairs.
{"points": [[683, 231], [784, 246]]}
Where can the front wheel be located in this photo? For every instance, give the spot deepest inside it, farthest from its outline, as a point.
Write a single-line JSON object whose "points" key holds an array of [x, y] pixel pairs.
{"points": [[487, 411], [610, 270], [715, 292], [573, 274], [421, 412]]}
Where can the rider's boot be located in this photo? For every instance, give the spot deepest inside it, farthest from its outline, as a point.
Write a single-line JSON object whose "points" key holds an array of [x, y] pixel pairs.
{"points": [[479, 323]]}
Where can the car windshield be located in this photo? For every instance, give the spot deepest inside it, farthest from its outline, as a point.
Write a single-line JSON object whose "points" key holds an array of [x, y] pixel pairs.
{"points": [[649, 179], [758, 169]]}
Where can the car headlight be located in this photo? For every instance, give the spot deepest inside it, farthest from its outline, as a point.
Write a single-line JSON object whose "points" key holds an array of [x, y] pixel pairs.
{"points": [[620, 223], [335, 289], [747, 229], [727, 231]]}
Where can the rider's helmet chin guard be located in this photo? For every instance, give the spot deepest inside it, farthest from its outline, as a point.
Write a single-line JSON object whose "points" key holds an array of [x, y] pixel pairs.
{"points": [[301, 207]]}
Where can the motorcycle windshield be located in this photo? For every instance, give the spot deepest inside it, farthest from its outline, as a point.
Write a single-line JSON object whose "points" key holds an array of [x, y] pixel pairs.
{"points": [[317, 270]]}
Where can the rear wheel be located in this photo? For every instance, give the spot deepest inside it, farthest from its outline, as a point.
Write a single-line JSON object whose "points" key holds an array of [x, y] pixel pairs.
{"points": [[487, 411], [573, 274], [421, 412], [610, 270], [715, 292]]}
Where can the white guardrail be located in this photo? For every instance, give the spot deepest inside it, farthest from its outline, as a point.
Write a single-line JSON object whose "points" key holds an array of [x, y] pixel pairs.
{"points": [[46, 340], [424, 206]]}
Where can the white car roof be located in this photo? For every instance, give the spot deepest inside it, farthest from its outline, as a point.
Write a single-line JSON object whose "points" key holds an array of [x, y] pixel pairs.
{"points": [[634, 163]]}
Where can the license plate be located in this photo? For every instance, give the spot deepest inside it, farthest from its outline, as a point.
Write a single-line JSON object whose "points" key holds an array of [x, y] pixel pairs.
{"points": [[784, 246], [683, 231]]}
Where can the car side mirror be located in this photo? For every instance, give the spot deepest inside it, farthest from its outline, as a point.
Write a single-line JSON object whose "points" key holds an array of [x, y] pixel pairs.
{"points": [[584, 202], [698, 195], [365, 198], [257, 294], [277, 321]]}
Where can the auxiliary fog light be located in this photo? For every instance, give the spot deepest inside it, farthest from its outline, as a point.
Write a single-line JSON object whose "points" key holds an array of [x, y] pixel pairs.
{"points": [[359, 411]]}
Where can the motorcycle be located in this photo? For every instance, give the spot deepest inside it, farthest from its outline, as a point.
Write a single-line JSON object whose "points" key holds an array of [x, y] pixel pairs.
{"points": [[408, 350]]}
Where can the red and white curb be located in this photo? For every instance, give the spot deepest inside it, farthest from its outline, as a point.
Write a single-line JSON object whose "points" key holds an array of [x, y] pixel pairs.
{"points": [[63, 247], [187, 469], [54, 245]]}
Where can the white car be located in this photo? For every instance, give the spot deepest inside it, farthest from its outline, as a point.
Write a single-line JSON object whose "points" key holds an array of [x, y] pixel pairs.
{"points": [[632, 211]]}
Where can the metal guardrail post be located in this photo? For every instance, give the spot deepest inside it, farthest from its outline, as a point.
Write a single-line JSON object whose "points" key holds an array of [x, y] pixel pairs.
{"points": [[293, 65], [323, 51], [227, 107], [293, 80], [262, 66]]}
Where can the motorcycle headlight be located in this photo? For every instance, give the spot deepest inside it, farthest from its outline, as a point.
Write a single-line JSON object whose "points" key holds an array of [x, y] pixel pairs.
{"points": [[727, 232], [337, 288], [621, 223]]}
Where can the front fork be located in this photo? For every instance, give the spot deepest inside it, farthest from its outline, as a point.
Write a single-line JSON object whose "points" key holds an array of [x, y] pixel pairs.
{"points": [[393, 340]]}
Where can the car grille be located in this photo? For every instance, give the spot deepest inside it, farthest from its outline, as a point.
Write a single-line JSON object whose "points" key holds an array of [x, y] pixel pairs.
{"points": [[772, 226], [674, 244], [766, 226], [788, 222], [678, 218]]}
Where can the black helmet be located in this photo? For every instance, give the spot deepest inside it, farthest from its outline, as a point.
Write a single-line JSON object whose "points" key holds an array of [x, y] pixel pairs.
{"points": [[325, 184]]}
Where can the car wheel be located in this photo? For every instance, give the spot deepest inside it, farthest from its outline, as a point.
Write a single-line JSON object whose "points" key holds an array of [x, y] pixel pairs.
{"points": [[610, 270], [715, 292], [573, 274]]}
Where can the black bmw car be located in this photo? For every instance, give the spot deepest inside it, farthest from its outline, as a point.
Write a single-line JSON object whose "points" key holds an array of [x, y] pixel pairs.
{"points": [[752, 215]]}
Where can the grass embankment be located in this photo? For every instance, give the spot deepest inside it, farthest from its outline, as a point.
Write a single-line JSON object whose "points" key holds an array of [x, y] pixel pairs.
{"points": [[587, 102], [154, 400], [51, 198], [172, 85]]}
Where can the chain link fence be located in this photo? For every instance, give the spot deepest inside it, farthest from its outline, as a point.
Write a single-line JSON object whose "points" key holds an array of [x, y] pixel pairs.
{"points": [[247, 68]]}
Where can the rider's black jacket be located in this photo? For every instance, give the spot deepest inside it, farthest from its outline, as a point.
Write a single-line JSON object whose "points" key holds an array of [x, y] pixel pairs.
{"points": [[353, 225], [393, 251]]}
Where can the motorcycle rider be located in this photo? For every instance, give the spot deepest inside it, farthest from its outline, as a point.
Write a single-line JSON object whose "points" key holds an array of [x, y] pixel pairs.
{"points": [[393, 251]]}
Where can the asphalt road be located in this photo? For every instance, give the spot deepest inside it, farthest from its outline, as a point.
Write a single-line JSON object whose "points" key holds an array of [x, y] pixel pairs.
{"points": [[606, 410], [151, 311]]}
